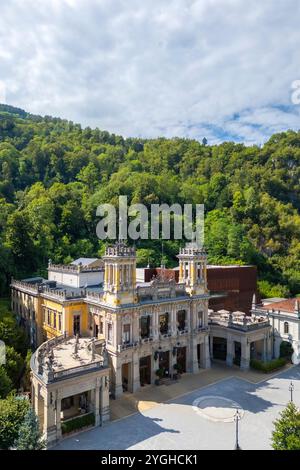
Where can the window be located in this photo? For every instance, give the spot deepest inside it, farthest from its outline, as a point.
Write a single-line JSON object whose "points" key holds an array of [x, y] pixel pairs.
{"points": [[286, 328], [48, 317], [54, 320], [67, 403], [200, 319], [181, 320], [126, 333], [76, 325], [145, 326], [101, 326], [109, 332], [164, 323]]}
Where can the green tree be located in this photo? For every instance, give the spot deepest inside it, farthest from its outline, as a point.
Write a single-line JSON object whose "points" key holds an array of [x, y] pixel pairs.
{"points": [[12, 413], [5, 383], [29, 435], [286, 435]]}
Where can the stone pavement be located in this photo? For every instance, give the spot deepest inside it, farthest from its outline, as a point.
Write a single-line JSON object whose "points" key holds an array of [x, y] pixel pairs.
{"points": [[152, 395], [201, 419]]}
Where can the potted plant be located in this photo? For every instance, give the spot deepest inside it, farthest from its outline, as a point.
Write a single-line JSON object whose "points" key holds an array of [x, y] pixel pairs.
{"points": [[159, 373]]}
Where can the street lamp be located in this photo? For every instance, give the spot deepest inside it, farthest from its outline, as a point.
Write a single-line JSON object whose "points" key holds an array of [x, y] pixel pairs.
{"points": [[291, 389], [237, 418]]}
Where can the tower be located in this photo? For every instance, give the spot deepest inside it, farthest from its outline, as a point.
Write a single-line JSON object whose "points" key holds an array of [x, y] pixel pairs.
{"points": [[120, 275], [192, 269]]}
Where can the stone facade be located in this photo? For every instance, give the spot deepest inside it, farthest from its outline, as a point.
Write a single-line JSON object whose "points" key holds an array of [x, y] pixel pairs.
{"points": [[70, 380]]}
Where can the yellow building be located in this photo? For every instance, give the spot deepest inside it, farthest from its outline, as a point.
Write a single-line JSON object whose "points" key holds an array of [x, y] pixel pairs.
{"points": [[46, 312]]}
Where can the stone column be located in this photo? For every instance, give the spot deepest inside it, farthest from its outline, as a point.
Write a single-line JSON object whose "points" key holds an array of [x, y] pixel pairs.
{"points": [[49, 428], [136, 384], [206, 361], [104, 400], [211, 346], [245, 354], [173, 321], [230, 352], [194, 356], [97, 401], [58, 415]]}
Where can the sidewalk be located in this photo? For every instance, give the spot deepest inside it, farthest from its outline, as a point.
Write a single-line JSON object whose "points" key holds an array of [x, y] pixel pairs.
{"points": [[153, 395]]}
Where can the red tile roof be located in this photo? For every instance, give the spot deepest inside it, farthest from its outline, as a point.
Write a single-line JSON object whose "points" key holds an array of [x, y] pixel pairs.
{"points": [[287, 305]]}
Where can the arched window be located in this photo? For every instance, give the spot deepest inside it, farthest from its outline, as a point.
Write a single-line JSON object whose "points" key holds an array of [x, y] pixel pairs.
{"points": [[286, 327]]}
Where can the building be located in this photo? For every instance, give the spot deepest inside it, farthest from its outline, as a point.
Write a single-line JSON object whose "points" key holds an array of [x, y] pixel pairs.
{"points": [[81, 273], [70, 381], [150, 326], [237, 338], [47, 310], [152, 323], [231, 287], [284, 316]]}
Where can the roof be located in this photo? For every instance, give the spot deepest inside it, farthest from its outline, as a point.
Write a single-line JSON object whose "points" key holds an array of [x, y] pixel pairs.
{"points": [[287, 305], [84, 261]]}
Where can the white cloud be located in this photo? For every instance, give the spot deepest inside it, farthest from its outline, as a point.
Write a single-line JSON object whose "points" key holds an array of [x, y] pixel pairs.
{"points": [[158, 67]]}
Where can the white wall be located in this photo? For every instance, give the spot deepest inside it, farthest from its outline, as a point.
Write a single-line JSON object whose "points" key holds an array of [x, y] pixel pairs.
{"points": [[77, 279]]}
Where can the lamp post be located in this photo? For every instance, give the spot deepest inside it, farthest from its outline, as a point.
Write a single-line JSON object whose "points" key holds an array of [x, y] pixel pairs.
{"points": [[237, 418], [291, 389]]}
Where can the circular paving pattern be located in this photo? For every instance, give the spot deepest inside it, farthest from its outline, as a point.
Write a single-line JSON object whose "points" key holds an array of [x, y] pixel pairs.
{"points": [[217, 408]]}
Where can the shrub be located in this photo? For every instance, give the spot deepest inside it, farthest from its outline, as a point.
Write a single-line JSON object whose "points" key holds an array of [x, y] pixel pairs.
{"points": [[78, 423], [286, 350], [159, 373], [268, 366]]}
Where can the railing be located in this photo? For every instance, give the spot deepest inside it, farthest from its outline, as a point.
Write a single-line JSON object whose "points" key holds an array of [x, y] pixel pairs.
{"points": [[76, 268], [77, 369], [249, 326], [33, 288]]}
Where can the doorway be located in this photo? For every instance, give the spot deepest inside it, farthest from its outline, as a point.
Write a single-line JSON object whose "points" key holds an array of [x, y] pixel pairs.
{"points": [[181, 359], [219, 348], [126, 377], [145, 370], [164, 362]]}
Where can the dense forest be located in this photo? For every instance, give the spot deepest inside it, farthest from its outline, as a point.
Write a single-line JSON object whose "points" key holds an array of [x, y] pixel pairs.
{"points": [[54, 173]]}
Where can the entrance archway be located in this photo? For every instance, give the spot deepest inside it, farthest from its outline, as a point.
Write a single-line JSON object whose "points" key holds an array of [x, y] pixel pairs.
{"points": [[181, 359], [219, 348], [145, 370], [164, 362]]}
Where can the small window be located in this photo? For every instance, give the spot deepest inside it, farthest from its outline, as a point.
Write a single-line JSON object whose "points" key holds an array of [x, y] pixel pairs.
{"points": [[200, 319], [67, 403], [59, 322], [109, 332], [126, 334], [286, 328]]}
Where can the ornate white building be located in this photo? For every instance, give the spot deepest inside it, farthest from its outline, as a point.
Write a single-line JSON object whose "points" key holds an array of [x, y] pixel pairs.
{"points": [[157, 326]]}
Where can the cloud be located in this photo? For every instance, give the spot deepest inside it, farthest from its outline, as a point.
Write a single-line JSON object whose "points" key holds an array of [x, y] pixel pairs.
{"points": [[189, 68]]}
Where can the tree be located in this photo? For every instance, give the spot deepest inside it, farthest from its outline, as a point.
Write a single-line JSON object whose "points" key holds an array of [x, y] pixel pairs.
{"points": [[29, 435], [286, 435], [286, 350], [12, 413], [5, 383]]}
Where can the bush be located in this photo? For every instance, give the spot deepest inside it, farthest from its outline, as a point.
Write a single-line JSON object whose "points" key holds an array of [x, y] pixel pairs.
{"points": [[286, 350], [14, 364], [29, 436], [78, 423], [268, 366]]}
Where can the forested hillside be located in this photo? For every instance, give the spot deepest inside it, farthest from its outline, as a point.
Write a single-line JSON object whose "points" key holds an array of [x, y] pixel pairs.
{"points": [[53, 174]]}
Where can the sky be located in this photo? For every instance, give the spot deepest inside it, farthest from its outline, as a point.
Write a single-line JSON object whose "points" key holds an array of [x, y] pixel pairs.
{"points": [[220, 69]]}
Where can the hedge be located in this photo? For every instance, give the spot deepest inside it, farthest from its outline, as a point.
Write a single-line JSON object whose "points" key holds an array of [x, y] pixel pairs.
{"points": [[268, 366], [78, 423]]}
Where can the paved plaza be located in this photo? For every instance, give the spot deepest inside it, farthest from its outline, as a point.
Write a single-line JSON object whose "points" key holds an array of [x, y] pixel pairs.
{"points": [[201, 419]]}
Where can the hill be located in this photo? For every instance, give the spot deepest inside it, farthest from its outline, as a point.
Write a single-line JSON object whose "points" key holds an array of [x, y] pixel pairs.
{"points": [[54, 173]]}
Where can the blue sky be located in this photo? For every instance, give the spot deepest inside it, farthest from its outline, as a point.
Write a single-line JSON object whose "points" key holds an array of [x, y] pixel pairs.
{"points": [[190, 68]]}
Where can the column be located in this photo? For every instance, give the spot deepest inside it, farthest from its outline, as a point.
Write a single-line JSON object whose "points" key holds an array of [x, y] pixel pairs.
{"points": [[245, 354], [97, 401], [136, 384], [230, 351], [104, 399], [207, 356], [211, 346], [173, 322], [58, 415], [194, 356], [49, 428]]}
